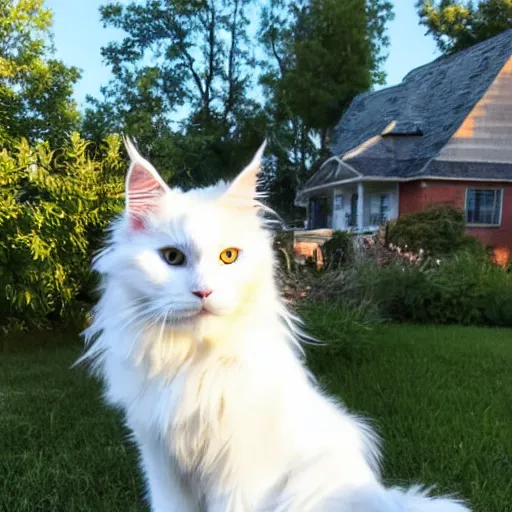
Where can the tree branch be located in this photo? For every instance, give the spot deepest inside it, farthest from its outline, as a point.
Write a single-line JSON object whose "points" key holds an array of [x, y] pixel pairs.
{"points": [[211, 59], [196, 77], [276, 55], [177, 33], [231, 62]]}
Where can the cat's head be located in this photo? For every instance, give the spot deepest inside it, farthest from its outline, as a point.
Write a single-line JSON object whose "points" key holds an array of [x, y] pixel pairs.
{"points": [[185, 257]]}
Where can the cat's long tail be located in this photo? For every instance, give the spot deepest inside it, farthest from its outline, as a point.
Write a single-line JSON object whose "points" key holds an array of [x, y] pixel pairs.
{"points": [[417, 500], [373, 498]]}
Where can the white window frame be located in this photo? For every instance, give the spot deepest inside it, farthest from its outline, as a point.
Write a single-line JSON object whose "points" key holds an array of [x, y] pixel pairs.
{"points": [[500, 206]]}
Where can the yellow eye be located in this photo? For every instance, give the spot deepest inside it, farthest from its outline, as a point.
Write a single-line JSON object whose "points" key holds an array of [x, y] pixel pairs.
{"points": [[173, 256], [228, 256]]}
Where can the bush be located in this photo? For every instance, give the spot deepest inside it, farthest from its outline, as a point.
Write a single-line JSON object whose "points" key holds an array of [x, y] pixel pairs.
{"points": [[437, 230], [462, 289], [54, 207], [338, 251]]}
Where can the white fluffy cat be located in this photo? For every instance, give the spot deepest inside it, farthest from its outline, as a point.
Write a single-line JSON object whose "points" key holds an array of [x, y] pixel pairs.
{"points": [[196, 347]]}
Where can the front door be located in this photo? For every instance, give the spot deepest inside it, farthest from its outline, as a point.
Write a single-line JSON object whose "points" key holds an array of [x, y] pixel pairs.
{"points": [[318, 213]]}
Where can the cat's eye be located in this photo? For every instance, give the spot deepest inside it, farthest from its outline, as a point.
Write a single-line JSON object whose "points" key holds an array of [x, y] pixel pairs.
{"points": [[228, 256], [173, 256]]}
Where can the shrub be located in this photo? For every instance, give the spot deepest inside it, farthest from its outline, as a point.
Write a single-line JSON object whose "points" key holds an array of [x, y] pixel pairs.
{"points": [[464, 287], [53, 209], [437, 230], [338, 251]]}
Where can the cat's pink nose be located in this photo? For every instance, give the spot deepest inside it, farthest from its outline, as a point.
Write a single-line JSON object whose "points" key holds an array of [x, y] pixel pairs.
{"points": [[202, 294]]}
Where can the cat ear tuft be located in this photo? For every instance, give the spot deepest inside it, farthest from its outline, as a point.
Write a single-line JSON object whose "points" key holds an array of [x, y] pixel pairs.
{"points": [[244, 186], [144, 187]]}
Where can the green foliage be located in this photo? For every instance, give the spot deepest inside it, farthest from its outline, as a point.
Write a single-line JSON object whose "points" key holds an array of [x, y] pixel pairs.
{"points": [[35, 89], [326, 51], [339, 250], [465, 290], [319, 55], [437, 230], [459, 289], [339, 325], [457, 24], [54, 206], [440, 276]]}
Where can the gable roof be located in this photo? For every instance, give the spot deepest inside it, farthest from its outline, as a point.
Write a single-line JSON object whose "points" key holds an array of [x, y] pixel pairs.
{"points": [[399, 132]]}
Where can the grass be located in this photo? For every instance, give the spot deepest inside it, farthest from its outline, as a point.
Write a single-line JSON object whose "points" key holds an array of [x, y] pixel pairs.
{"points": [[60, 449], [439, 396]]}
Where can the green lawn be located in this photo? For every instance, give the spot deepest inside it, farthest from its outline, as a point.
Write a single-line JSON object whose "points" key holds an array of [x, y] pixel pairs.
{"points": [[441, 397]]}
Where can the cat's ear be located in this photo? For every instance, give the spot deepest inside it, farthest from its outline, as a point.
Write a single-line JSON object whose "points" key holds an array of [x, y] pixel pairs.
{"points": [[244, 187], [143, 188]]}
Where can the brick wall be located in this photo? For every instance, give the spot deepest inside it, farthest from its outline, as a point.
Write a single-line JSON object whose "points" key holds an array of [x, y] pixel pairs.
{"points": [[417, 195]]}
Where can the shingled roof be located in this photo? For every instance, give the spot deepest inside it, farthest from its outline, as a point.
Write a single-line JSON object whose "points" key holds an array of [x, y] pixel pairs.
{"points": [[420, 127]]}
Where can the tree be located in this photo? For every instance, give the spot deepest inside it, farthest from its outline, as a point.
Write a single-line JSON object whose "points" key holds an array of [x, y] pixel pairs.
{"points": [[182, 77], [35, 89], [328, 52], [321, 53], [456, 24], [188, 87]]}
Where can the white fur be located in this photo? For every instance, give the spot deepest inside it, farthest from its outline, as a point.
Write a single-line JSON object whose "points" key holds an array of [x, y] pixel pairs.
{"points": [[225, 415]]}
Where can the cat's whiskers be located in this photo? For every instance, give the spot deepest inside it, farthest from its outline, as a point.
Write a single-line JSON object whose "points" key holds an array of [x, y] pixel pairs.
{"points": [[140, 316], [141, 320], [162, 327]]}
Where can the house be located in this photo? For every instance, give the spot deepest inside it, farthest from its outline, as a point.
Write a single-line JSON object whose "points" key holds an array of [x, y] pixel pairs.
{"points": [[443, 135]]}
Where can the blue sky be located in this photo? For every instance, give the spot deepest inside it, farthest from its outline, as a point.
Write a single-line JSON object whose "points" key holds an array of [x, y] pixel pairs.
{"points": [[79, 36]]}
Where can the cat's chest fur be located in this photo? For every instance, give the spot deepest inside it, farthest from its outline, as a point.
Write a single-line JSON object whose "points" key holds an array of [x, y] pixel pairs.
{"points": [[232, 415], [190, 396]]}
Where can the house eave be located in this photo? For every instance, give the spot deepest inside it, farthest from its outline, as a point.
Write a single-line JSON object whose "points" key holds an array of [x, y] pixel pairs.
{"points": [[303, 194], [337, 158]]}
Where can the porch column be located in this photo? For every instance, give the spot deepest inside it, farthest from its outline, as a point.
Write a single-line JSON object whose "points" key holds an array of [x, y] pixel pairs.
{"points": [[360, 206]]}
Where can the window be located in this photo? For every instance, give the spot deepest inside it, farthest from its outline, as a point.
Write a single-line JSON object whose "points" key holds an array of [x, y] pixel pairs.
{"points": [[483, 206], [384, 208], [338, 202], [379, 209]]}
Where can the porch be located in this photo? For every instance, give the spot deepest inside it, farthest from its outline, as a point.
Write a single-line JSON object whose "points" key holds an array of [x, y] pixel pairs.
{"points": [[358, 207]]}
